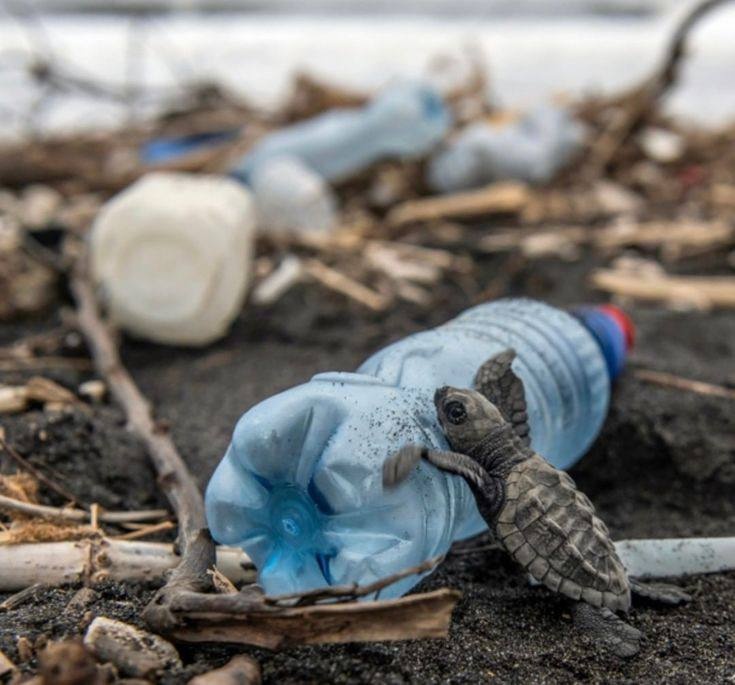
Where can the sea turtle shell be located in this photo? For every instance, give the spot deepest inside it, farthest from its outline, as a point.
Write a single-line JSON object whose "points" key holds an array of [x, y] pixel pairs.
{"points": [[550, 528]]}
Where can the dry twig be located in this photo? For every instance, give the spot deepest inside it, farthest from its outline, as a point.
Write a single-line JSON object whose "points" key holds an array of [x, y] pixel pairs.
{"points": [[698, 291], [78, 515], [24, 464], [506, 197], [670, 380]]}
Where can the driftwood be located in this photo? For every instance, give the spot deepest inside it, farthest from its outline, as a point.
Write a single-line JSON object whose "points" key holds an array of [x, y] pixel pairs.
{"points": [[184, 608], [415, 616], [91, 560]]}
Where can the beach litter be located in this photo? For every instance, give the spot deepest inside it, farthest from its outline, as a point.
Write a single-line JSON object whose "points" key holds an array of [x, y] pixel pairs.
{"points": [[173, 254]]}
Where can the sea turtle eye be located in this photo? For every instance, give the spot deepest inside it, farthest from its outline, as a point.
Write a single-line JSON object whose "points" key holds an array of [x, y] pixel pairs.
{"points": [[455, 412]]}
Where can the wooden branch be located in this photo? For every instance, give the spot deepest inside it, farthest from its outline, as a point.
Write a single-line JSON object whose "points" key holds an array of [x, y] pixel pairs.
{"points": [[506, 197], [78, 515], [415, 616], [174, 477], [91, 560], [669, 380]]}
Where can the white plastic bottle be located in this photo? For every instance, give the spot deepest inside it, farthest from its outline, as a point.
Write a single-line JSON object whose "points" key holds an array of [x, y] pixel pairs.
{"points": [[290, 198], [172, 255]]}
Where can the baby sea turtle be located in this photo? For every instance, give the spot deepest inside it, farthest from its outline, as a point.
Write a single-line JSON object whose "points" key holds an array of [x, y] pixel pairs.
{"points": [[534, 510]]}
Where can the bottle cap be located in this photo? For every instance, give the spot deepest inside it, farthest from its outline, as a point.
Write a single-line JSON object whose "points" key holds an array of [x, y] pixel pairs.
{"points": [[613, 330]]}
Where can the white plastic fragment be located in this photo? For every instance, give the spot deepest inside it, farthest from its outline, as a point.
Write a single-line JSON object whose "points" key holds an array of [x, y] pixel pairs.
{"points": [[291, 198], [289, 272], [677, 556], [173, 256]]}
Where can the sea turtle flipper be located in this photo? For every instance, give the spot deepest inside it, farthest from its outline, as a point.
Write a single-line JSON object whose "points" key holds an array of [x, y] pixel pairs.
{"points": [[605, 627], [498, 382], [400, 464]]}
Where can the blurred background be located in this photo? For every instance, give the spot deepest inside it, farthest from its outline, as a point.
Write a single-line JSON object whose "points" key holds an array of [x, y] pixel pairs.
{"points": [[531, 49]]}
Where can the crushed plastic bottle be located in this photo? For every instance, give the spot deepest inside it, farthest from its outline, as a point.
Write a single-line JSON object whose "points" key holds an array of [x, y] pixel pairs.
{"points": [[300, 486], [290, 198], [531, 149], [406, 120]]}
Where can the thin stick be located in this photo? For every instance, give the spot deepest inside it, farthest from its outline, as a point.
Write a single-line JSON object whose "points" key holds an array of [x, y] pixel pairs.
{"points": [[78, 515], [173, 475], [148, 530], [700, 291], [669, 380], [353, 591], [20, 598], [346, 285], [174, 478], [38, 475], [19, 363]]}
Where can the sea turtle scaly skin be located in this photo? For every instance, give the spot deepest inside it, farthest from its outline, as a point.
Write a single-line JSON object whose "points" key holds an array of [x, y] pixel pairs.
{"points": [[534, 510]]}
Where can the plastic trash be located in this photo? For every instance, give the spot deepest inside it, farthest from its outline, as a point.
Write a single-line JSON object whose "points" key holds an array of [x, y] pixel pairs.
{"points": [[165, 149], [669, 558], [405, 120], [173, 255], [300, 487], [531, 149], [291, 198]]}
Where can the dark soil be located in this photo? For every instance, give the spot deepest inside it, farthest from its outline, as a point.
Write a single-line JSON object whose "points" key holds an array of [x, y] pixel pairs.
{"points": [[663, 466]]}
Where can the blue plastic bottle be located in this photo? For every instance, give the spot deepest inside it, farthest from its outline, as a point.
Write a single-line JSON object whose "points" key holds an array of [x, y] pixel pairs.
{"points": [[406, 120], [300, 485]]}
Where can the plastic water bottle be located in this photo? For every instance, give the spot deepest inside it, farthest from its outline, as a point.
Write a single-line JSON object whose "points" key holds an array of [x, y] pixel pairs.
{"points": [[300, 487], [531, 149], [290, 198], [405, 120]]}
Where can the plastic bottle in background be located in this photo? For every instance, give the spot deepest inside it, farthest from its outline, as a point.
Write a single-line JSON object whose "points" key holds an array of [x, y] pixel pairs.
{"points": [[291, 198], [300, 487], [531, 149], [172, 254], [405, 120]]}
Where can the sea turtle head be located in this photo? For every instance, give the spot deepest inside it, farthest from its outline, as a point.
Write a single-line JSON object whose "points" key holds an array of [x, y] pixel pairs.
{"points": [[466, 417]]}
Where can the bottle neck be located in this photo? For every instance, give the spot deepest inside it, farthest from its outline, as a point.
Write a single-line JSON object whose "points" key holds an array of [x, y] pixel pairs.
{"points": [[613, 331]]}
